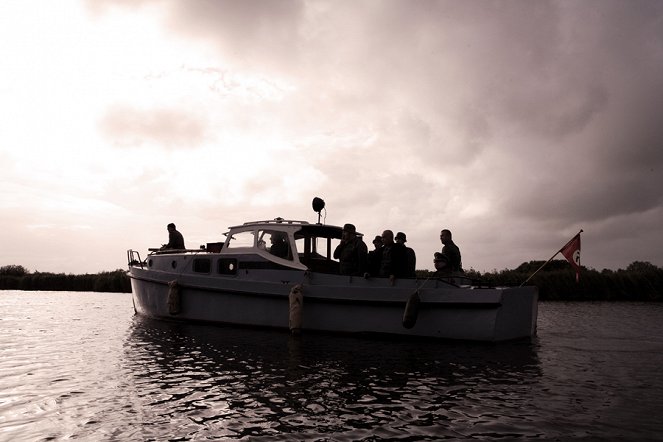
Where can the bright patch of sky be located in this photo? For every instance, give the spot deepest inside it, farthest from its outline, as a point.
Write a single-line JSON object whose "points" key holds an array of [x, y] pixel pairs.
{"points": [[513, 124]]}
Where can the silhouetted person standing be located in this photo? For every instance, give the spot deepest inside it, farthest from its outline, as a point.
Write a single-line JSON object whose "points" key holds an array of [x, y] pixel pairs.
{"points": [[351, 252], [374, 257], [410, 256], [394, 262], [449, 259]]}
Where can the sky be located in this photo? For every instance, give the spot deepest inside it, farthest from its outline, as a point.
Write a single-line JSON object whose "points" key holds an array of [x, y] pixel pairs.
{"points": [[512, 123]]}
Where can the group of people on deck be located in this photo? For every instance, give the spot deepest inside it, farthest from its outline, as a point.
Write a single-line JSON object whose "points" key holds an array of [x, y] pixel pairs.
{"points": [[390, 257]]}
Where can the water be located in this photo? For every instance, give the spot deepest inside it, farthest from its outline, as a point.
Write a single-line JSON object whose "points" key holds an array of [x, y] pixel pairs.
{"points": [[82, 366]]}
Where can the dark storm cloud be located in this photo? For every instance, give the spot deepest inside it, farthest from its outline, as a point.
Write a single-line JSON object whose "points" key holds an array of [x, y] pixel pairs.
{"points": [[580, 100]]}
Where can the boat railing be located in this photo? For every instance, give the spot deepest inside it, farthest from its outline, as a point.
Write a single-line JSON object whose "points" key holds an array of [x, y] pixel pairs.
{"points": [[133, 258], [276, 221], [457, 279], [161, 251]]}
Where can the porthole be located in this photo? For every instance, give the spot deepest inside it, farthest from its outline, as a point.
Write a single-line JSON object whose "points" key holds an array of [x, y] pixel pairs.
{"points": [[227, 266], [173, 264], [149, 263]]}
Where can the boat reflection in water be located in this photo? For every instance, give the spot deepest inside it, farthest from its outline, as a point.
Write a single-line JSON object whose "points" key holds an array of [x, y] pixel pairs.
{"points": [[204, 381]]}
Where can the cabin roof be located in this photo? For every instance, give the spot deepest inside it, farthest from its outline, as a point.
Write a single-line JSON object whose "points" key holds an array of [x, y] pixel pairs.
{"points": [[306, 229]]}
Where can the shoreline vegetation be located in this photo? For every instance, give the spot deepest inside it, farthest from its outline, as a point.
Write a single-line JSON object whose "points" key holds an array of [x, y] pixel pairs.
{"points": [[640, 281], [16, 277]]}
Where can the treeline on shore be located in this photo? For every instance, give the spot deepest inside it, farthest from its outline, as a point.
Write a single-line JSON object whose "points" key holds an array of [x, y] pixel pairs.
{"points": [[640, 281], [16, 277]]}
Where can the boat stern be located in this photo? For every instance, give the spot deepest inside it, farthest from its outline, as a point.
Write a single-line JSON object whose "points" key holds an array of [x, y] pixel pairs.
{"points": [[519, 313]]}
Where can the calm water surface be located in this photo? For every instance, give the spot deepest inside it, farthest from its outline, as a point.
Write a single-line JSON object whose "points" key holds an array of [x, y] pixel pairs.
{"points": [[81, 366]]}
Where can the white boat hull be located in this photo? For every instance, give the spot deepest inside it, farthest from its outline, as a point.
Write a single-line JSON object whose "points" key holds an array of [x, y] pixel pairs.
{"points": [[335, 303]]}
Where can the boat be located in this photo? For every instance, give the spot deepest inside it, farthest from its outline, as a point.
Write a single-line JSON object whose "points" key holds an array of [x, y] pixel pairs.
{"points": [[239, 281]]}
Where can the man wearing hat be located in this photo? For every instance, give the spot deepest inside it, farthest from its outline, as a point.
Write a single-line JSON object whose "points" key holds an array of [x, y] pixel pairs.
{"points": [[393, 263], [410, 256], [374, 257], [351, 252]]}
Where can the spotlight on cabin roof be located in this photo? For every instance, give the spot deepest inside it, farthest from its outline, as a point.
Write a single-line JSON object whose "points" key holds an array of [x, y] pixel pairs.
{"points": [[318, 205]]}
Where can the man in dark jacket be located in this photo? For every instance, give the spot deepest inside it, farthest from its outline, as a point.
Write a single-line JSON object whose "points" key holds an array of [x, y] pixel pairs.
{"points": [[449, 259], [411, 257], [175, 239], [351, 252], [394, 260], [374, 257]]}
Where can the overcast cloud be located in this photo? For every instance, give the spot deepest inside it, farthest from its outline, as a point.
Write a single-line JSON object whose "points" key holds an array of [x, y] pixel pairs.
{"points": [[513, 123]]}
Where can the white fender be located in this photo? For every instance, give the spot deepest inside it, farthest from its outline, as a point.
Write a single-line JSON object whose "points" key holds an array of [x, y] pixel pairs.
{"points": [[296, 299], [411, 310], [174, 301]]}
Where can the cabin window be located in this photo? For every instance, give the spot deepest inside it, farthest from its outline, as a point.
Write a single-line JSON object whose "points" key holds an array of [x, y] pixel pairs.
{"points": [[276, 243], [202, 265], [324, 247], [240, 239], [317, 253], [227, 266]]}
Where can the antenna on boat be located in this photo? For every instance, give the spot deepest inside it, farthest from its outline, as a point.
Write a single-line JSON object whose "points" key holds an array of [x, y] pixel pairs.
{"points": [[318, 205]]}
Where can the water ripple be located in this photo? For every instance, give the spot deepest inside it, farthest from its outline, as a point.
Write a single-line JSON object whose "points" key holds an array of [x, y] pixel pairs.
{"points": [[81, 366]]}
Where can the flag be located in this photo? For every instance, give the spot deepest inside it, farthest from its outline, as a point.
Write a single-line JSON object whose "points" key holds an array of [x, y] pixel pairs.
{"points": [[571, 252]]}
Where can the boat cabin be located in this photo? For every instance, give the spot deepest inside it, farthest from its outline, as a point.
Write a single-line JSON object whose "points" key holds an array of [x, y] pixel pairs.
{"points": [[287, 243]]}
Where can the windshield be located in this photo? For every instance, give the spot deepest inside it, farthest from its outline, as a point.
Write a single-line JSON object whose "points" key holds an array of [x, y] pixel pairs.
{"points": [[241, 239]]}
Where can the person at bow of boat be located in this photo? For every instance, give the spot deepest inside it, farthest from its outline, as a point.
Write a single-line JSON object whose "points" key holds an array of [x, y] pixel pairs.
{"points": [[175, 239], [394, 259], [449, 259], [351, 252]]}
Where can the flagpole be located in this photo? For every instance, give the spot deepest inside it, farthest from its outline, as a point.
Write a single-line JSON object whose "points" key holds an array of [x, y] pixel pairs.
{"points": [[551, 258], [542, 266]]}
